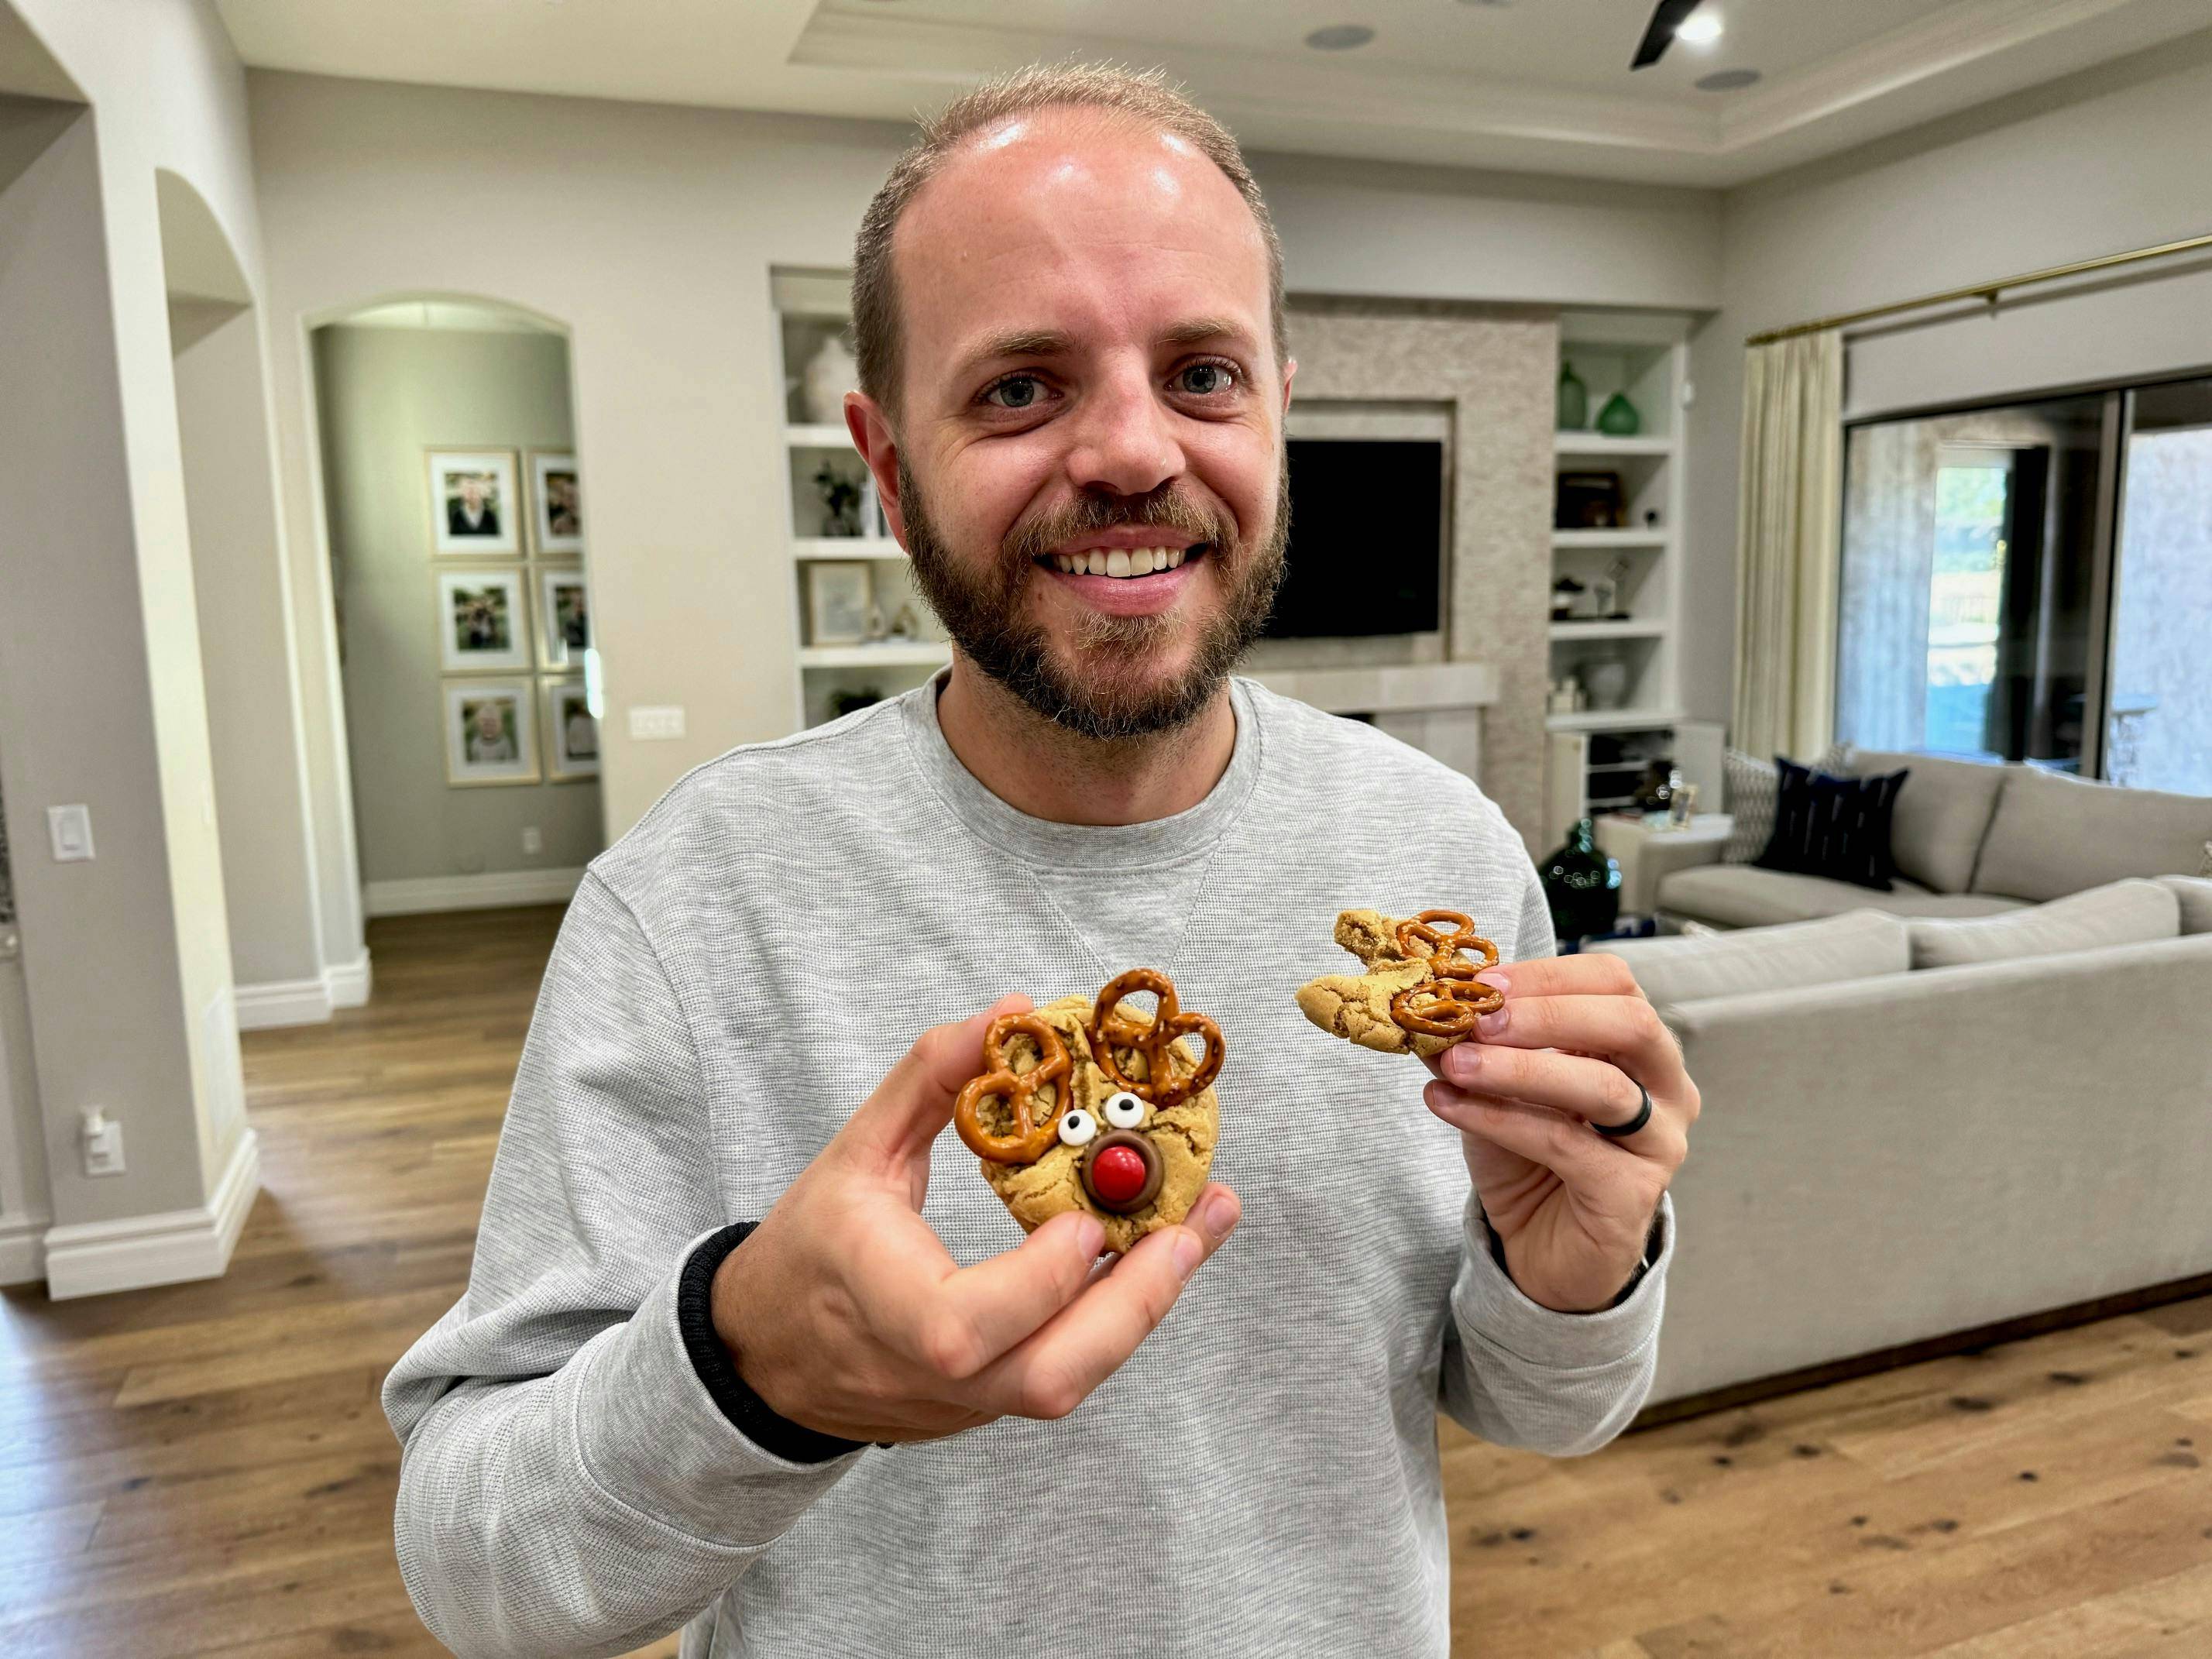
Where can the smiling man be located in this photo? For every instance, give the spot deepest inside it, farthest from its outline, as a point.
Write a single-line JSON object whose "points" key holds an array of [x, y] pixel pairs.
{"points": [[749, 1346]]}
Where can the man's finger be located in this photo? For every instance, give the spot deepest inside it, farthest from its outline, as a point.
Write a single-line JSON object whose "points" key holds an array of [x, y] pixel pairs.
{"points": [[914, 1102], [1586, 973], [1625, 1031], [974, 1315], [1594, 1089], [1053, 1371], [1562, 1145]]}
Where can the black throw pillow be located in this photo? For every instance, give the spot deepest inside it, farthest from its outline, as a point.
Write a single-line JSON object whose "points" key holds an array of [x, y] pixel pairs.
{"points": [[1834, 827]]}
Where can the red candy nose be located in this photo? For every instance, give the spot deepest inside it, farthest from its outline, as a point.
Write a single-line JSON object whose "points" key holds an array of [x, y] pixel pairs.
{"points": [[1117, 1173]]}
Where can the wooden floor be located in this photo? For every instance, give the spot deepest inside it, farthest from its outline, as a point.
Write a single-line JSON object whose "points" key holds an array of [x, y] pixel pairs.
{"points": [[203, 1470]]}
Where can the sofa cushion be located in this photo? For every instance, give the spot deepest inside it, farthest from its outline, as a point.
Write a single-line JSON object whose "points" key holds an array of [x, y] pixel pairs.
{"points": [[2053, 835], [1942, 813], [1855, 946], [1745, 896], [2132, 912], [1837, 827], [2194, 893], [1748, 787]]}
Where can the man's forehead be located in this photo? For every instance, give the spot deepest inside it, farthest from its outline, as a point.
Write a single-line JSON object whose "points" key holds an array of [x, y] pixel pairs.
{"points": [[1083, 195]]}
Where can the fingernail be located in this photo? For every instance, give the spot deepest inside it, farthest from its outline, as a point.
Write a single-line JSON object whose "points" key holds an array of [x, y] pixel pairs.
{"points": [[1462, 1060], [1187, 1252], [1090, 1236], [1494, 977], [1215, 1218], [1490, 1025]]}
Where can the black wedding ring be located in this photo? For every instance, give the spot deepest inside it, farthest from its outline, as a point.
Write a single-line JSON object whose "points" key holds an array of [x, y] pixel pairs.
{"points": [[1617, 1130]]}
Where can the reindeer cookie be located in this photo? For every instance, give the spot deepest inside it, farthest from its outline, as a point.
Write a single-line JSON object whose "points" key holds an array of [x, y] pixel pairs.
{"points": [[1096, 1105], [1419, 994]]}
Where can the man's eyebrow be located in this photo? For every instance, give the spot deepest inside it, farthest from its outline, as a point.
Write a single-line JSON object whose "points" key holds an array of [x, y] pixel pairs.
{"points": [[1052, 342]]}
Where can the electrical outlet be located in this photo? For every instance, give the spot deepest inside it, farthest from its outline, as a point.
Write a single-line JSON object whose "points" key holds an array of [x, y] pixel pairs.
{"points": [[103, 1143], [71, 828], [532, 842], [650, 723]]}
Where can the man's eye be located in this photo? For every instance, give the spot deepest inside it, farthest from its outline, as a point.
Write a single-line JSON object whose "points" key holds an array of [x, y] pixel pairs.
{"points": [[1020, 392], [1203, 379]]}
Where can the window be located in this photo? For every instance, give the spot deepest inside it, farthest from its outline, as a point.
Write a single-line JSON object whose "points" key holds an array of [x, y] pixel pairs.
{"points": [[2033, 583]]}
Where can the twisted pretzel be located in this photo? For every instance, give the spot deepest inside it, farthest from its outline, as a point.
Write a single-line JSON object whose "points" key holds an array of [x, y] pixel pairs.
{"points": [[1031, 1139], [1447, 1013], [1108, 1030]]}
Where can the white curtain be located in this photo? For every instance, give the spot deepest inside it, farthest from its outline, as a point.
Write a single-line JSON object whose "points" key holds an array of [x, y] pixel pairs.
{"points": [[1789, 528]]}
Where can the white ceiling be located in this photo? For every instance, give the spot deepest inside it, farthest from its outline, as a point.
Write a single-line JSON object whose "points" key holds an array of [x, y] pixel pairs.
{"points": [[1533, 85]]}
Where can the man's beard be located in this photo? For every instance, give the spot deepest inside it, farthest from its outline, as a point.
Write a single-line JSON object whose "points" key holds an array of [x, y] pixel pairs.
{"points": [[1105, 694]]}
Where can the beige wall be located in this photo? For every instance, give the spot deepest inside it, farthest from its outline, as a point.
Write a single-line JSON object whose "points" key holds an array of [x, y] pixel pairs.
{"points": [[2106, 161], [649, 233], [387, 395]]}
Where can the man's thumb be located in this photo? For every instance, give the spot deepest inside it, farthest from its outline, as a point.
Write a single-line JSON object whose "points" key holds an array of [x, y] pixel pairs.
{"points": [[914, 1102]]}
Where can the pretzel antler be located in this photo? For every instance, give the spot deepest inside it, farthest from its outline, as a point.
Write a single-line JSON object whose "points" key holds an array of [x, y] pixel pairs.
{"points": [[1447, 1012], [1108, 1030], [1031, 1139]]}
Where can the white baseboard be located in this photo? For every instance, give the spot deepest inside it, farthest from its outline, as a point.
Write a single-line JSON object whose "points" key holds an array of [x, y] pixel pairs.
{"points": [[93, 1258], [349, 982], [494, 891], [283, 1002], [23, 1249]]}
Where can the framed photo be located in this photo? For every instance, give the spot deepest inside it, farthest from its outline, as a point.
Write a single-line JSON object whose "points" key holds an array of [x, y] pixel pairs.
{"points": [[482, 623], [837, 595], [474, 505], [572, 731], [1588, 501], [491, 732], [559, 525], [564, 619]]}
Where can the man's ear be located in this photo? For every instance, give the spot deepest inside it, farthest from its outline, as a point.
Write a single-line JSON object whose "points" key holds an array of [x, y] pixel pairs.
{"points": [[1290, 368], [879, 446]]}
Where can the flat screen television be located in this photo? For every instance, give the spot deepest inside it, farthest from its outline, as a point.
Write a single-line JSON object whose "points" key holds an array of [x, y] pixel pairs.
{"points": [[1366, 551]]}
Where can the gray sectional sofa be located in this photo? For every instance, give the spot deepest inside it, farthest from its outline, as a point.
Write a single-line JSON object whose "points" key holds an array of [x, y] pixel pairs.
{"points": [[1968, 838], [1984, 1095]]}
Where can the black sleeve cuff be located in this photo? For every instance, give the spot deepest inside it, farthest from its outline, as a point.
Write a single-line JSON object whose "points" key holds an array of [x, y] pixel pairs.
{"points": [[750, 1414]]}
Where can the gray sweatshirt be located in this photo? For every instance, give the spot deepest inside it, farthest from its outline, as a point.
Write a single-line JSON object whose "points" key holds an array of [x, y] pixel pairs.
{"points": [[734, 976]]}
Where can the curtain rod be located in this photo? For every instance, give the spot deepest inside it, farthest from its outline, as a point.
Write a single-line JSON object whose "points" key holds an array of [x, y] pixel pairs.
{"points": [[1988, 291]]}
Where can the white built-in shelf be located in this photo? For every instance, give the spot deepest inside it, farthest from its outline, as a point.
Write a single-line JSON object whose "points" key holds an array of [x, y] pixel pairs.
{"points": [[817, 437], [847, 547], [1566, 538], [1629, 628], [1599, 443], [1612, 720], [882, 654]]}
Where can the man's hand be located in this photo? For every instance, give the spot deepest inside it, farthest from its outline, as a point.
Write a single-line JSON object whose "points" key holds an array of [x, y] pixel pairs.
{"points": [[845, 1313], [1575, 1038]]}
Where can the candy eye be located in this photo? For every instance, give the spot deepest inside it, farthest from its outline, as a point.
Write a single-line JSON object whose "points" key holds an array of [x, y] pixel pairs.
{"points": [[1077, 1128], [1125, 1111]]}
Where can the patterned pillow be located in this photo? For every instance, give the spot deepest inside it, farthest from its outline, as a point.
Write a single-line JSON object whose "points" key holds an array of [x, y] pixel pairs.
{"points": [[1748, 787], [1834, 827], [2206, 871]]}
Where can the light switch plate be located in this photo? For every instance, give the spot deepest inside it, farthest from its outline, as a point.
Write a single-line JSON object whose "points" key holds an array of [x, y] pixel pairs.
{"points": [[652, 723], [71, 829]]}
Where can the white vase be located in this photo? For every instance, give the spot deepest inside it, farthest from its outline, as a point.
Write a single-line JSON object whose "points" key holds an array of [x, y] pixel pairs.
{"points": [[1607, 681], [830, 373]]}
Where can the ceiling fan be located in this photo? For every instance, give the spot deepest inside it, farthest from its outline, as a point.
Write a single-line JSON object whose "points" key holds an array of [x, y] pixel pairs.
{"points": [[1666, 19]]}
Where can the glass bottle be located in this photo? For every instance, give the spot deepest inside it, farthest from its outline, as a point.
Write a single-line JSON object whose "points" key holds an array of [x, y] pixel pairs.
{"points": [[1574, 400]]}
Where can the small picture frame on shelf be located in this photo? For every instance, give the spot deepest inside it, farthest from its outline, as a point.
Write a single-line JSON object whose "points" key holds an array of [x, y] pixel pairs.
{"points": [[473, 505], [557, 499], [572, 731], [838, 595], [491, 732], [482, 624], [564, 619], [1586, 500]]}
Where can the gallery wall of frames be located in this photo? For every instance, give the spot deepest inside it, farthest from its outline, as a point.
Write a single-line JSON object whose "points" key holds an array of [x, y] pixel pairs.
{"points": [[528, 623]]}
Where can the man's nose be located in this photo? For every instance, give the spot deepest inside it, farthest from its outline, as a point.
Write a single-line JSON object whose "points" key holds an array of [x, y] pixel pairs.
{"points": [[1124, 439]]}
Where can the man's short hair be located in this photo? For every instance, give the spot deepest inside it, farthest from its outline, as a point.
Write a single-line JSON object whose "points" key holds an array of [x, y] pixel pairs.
{"points": [[1142, 97]]}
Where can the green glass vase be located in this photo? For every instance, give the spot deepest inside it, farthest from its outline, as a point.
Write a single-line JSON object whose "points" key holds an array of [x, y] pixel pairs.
{"points": [[1574, 401], [1619, 418], [1582, 885]]}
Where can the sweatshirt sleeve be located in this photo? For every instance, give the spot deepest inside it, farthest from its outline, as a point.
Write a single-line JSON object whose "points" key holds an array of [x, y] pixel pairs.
{"points": [[568, 1485], [1520, 1374]]}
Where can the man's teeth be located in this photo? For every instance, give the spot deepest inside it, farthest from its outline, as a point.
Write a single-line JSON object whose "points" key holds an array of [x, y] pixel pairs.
{"points": [[1120, 561]]}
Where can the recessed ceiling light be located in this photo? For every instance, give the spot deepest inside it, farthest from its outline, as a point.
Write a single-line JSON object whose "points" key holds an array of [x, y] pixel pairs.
{"points": [[1729, 81], [1341, 36], [1699, 28]]}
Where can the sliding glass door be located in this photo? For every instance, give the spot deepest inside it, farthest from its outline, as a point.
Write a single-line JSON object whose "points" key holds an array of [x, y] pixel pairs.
{"points": [[2159, 733]]}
